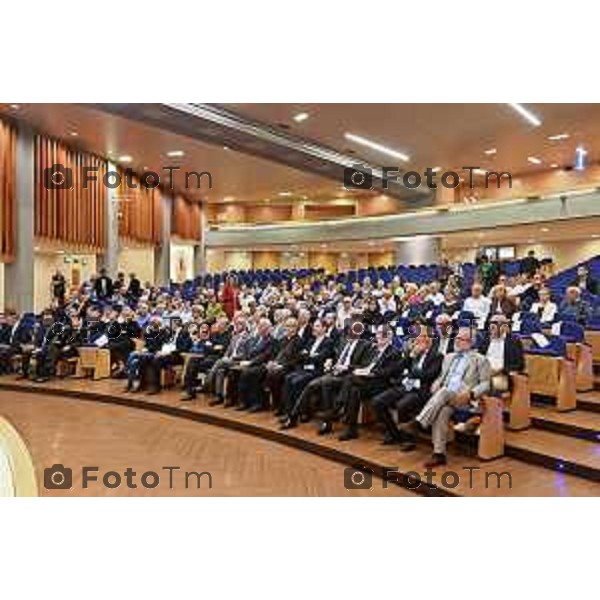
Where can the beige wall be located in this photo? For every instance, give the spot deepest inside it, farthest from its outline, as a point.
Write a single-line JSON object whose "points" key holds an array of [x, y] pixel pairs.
{"points": [[1, 286], [46, 263], [266, 260], [565, 254], [182, 262], [138, 260]]}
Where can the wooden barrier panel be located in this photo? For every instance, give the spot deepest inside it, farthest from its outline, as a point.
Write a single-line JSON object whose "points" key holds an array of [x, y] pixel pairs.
{"points": [[593, 339], [94, 360], [554, 377], [581, 354], [491, 429], [519, 402]]}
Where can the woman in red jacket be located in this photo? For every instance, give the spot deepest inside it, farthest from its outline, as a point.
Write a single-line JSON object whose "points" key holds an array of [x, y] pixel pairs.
{"points": [[229, 297]]}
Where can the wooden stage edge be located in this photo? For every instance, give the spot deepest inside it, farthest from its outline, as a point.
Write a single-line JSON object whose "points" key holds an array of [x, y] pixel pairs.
{"points": [[249, 428]]}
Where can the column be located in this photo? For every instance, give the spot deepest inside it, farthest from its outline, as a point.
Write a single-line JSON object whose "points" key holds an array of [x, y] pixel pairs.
{"points": [[162, 253], [200, 248], [420, 250], [19, 278], [110, 258]]}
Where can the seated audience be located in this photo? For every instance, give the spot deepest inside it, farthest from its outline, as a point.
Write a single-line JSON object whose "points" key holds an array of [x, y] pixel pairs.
{"points": [[464, 378], [544, 308], [410, 386], [574, 307]]}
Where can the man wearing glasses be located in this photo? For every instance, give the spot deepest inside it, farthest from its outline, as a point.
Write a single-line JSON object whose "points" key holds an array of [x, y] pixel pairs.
{"points": [[465, 377]]}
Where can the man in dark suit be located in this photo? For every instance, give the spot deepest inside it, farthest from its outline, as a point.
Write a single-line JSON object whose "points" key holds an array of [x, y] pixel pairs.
{"points": [[443, 340], [410, 387], [530, 264], [584, 281], [314, 355], [168, 355], [286, 360], [322, 391], [15, 337], [503, 351], [155, 336], [103, 286], [134, 290], [241, 376], [366, 382]]}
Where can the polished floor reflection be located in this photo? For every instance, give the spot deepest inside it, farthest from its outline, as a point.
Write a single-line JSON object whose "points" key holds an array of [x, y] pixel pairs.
{"points": [[115, 438]]}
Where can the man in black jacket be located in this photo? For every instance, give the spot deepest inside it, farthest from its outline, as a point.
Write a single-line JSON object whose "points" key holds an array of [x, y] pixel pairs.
{"points": [[322, 391], [134, 290], [15, 336], [103, 286], [168, 355], [364, 383], [240, 377], [503, 351], [410, 387], [314, 355], [584, 281]]}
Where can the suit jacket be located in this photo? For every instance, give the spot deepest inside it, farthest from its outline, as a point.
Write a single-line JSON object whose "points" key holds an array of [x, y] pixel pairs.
{"points": [[435, 346], [135, 288], [239, 344], [260, 350], [289, 354], [325, 350], [514, 359], [102, 282], [426, 373], [476, 376], [590, 284], [359, 357], [386, 365]]}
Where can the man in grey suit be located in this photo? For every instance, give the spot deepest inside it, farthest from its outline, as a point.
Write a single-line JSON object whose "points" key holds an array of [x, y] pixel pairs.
{"points": [[465, 377], [236, 351]]}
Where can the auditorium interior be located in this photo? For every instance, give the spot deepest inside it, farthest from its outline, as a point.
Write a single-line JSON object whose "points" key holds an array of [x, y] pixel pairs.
{"points": [[211, 284]]}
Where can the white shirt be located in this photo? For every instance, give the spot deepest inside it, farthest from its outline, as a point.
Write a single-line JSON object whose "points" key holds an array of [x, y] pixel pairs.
{"points": [[347, 354], [387, 305], [437, 298], [495, 353], [547, 312], [315, 345], [480, 307]]}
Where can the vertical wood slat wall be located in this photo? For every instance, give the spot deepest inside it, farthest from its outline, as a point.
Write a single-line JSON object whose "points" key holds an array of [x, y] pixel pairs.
{"points": [[7, 191], [186, 219], [75, 215], [140, 211]]}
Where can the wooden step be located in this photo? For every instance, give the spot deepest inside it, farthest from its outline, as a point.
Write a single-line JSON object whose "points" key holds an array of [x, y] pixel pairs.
{"points": [[589, 401], [555, 451], [526, 477], [581, 424]]}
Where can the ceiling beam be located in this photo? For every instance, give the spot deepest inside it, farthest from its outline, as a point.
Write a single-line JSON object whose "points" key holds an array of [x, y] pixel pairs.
{"points": [[213, 124]]}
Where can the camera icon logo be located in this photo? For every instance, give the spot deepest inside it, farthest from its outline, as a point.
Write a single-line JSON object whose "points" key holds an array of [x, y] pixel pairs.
{"points": [[358, 177], [58, 477], [58, 177], [354, 327], [358, 478]]}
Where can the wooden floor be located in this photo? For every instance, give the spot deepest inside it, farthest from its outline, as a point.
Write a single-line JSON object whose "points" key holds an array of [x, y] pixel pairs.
{"points": [[77, 434], [528, 478]]}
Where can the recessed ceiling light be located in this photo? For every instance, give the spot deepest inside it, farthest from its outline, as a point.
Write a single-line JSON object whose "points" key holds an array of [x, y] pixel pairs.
{"points": [[531, 241], [554, 166], [125, 158], [175, 153], [479, 172], [544, 230], [225, 147], [371, 243], [534, 160], [436, 169], [73, 134], [375, 146], [595, 235], [285, 193], [323, 245], [15, 106], [490, 151], [301, 117], [526, 114], [558, 136]]}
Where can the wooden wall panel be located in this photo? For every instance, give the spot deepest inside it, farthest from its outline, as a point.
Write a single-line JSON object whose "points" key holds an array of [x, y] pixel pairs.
{"points": [[186, 219], [76, 214], [140, 211], [7, 192]]}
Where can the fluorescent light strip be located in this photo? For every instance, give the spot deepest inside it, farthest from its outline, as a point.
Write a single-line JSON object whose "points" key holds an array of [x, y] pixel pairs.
{"points": [[558, 136], [175, 153], [301, 117], [534, 160], [375, 146], [526, 114], [490, 151]]}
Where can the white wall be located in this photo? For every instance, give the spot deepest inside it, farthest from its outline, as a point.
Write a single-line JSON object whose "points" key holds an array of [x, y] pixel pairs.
{"points": [[138, 260], [182, 262], [46, 263]]}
